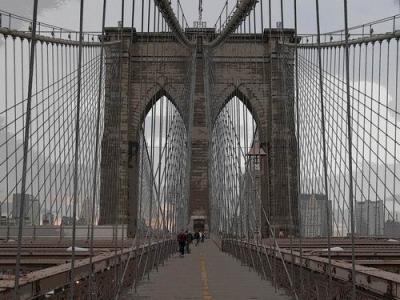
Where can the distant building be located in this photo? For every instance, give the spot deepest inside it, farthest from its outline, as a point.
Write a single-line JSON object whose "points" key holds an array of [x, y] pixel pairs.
{"points": [[31, 209], [86, 212], [314, 215], [48, 219], [369, 217], [392, 229]]}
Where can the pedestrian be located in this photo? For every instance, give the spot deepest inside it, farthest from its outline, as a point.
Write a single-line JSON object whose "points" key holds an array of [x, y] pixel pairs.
{"points": [[197, 237], [202, 236], [189, 239], [181, 241]]}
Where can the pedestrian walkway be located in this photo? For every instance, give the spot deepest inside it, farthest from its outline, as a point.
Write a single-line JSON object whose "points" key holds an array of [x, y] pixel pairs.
{"points": [[205, 274]]}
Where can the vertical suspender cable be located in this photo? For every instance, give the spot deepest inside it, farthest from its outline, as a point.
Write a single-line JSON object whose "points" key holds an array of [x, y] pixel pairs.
{"points": [[396, 118], [269, 212], [141, 163], [136, 240], [370, 138], [122, 13], [377, 148], [25, 148], [152, 135], [321, 90], [382, 222], [6, 133], [117, 217], [350, 145], [290, 197], [76, 162], [121, 220], [262, 17], [94, 191], [296, 66]]}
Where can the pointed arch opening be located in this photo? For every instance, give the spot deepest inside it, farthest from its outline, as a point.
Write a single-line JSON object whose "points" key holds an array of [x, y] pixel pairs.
{"points": [[236, 168], [162, 201]]}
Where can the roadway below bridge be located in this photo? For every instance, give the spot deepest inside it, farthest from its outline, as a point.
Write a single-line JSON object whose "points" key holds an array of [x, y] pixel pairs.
{"points": [[207, 274]]}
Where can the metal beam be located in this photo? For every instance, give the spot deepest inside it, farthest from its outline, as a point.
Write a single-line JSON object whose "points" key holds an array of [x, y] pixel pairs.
{"points": [[241, 12], [169, 16]]}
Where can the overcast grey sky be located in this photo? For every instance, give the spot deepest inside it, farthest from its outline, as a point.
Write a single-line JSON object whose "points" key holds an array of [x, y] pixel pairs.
{"points": [[65, 13]]}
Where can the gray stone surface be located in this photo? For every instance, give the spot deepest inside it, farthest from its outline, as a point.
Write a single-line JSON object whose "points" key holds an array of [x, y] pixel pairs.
{"points": [[206, 274], [241, 67]]}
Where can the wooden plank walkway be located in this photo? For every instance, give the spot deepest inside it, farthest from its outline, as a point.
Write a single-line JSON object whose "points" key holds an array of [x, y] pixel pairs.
{"points": [[205, 274]]}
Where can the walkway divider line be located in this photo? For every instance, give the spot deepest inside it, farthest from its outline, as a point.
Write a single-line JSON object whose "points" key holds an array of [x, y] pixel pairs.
{"points": [[204, 278]]}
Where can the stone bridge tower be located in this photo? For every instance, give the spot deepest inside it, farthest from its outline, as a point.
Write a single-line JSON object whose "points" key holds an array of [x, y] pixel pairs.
{"points": [[199, 81]]}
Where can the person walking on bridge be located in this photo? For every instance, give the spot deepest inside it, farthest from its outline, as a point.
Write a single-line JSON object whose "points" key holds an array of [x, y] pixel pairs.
{"points": [[182, 242], [202, 236], [197, 237], [189, 240]]}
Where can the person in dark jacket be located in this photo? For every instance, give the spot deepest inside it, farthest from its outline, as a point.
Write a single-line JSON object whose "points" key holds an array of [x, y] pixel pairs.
{"points": [[189, 240], [197, 237], [182, 242]]}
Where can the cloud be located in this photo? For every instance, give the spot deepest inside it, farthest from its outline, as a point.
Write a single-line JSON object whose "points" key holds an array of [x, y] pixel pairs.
{"points": [[24, 10]]}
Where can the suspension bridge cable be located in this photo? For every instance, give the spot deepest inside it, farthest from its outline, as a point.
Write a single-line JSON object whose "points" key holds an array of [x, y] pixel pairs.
{"points": [[323, 132], [96, 156], [287, 142], [350, 148], [296, 80], [26, 145], [76, 160], [141, 172]]}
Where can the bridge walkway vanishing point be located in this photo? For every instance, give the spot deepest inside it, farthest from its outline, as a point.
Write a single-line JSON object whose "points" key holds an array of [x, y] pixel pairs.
{"points": [[207, 274]]}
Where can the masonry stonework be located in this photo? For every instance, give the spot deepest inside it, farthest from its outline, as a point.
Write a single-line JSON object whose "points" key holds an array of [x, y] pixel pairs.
{"points": [[241, 67]]}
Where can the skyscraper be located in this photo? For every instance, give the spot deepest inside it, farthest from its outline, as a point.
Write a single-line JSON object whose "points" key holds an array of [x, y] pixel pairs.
{"points": [[369, 216], [31, 209], [314, 215]]}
